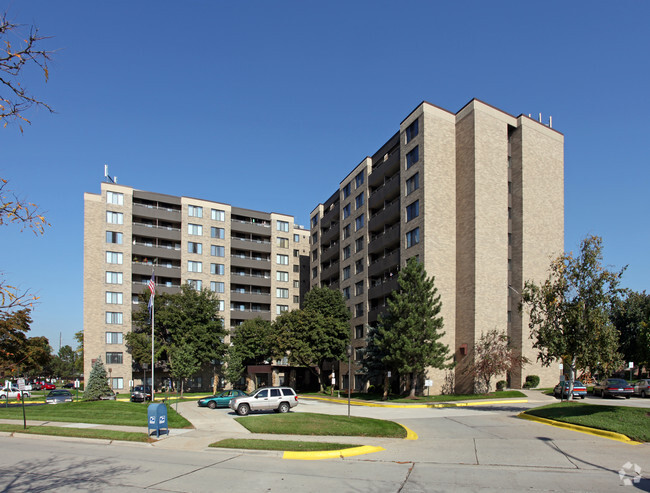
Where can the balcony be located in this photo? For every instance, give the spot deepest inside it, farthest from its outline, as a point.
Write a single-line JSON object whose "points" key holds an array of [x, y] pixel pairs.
{"points": [[153, 231], [330, 270], [252, 279], [249, 314], [330, 234], [388, 167], [383, 288], [250, 261], [156, 212], [389, 214], [386, 240], [384, 263], [149, 250], [249, 296], [251, 244], [260, 228], [145, 268], [329, 253]]}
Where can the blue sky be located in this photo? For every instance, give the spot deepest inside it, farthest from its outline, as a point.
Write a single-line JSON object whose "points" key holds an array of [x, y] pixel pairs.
{"points": [[185, 98]]}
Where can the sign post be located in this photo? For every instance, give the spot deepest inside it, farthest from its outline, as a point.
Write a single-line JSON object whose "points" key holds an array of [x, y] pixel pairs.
{"points": [[21, 387]]}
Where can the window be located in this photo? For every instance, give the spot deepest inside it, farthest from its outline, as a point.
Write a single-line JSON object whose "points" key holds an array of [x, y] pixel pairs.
{"points": [[296, 284], [194, 211], [114, 217], [279, 309], [218, 269], [195, 284], [282, 259], [296, 268], [358, 266], [358, 310], [314, 221], [114, 237], [114, 258], [281, 292], [221, 305], [113, 298], [296, 299], [412, 210], [358, 356], [346, 293], [117, 383], [411, 131], [413, 237], [115, 198], [358, 244], [296, 238], [282, 276], [413, 183], [347, 189], [282, 242], [218, 215], [193, 247], [194, 266], [358, 332], [113, 277], [346, 252], [113, 358], [359, 222], [358, 288], [114, 338], [412, 157], [217, 287], [314, 273], [358, 201], [217, 233], [283, 226], [347, 231], [314, 238], [346, 211], [296, 253], [217, 251], [114, 318], [358, 180], [346, 272], [194, 229]]}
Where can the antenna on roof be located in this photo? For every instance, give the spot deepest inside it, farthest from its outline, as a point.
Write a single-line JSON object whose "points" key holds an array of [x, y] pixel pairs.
{"points": [[107, 176]]}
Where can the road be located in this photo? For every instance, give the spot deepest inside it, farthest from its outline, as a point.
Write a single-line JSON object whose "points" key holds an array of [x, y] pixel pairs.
{"points": [[483, 448]]}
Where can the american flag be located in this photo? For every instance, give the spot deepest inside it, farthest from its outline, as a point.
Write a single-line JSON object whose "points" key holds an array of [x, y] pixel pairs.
{"points": [[152, 287]]}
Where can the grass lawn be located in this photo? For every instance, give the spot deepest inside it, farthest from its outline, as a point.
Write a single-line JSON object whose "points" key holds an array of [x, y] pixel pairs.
{"points": [[77, 432], [321, 424], [97, 412], [285, 445], [423, 399], [630, 421]]}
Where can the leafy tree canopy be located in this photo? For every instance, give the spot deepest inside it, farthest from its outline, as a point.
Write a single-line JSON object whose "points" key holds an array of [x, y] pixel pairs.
{"points": [[569, 312], [631, 317], [250, 344]]}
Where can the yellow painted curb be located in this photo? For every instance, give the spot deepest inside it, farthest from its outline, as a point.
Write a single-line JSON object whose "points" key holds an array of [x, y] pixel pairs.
{"points": [[410, 434], [418, 406], [612, 435], [332, 454]]}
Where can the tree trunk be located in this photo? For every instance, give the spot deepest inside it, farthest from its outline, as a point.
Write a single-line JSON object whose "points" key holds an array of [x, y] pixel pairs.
{"points": [[414, 379], [182, 388], [572, 376]]}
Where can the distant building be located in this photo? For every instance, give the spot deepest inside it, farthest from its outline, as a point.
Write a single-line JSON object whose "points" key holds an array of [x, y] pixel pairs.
{"points": [[252, 260], [477, 196]]}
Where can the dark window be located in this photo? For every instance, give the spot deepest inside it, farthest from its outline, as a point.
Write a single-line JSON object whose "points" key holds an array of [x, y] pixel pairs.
{"points": [[412, 210], [275, 392], [412, 157], [412, 130], [413, 183]]}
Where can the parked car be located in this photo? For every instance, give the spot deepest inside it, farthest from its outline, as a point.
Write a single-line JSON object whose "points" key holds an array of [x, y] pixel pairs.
{"points": [[13, 393], [642, 388], [279, 399], [69, 385], [141, 394], [612, 387], [562, 389], [220, 400], [48, 386], [58, 396], [108, 397], [37, 386]]}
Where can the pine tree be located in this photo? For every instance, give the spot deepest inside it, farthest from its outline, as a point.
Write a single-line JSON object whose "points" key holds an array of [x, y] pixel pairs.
{"points": [[407, 338], [97, 385]]}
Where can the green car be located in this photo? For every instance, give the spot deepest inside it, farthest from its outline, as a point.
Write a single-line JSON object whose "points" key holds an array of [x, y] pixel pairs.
{"points": [[220, 400]]}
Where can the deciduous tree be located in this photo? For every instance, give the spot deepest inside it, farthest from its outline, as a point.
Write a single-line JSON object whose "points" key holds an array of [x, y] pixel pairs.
{"points": [[631, 317], [569, 312], [491, 356], [250, 344]]}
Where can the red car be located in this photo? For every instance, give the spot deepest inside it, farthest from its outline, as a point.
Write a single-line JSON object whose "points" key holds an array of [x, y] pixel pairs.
{"points": [[48, 386]]}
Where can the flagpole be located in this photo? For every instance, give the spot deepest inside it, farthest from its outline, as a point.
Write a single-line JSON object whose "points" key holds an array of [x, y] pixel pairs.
{"points": [[153, 314]]}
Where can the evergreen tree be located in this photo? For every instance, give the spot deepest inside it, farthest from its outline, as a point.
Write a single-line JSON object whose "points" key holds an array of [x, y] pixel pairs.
{"points": [[97, 385], [406, 338]]}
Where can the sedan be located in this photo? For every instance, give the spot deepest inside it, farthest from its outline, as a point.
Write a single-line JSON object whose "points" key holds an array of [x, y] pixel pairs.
{"points": [[642, 388], [220, 400], [13, 393], [58, 396], [48, 386], [613, 387], [562, 388]]}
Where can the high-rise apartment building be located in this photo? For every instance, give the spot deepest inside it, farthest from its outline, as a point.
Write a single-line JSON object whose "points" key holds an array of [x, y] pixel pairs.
{"points": [[252, 260], [478, 197]]}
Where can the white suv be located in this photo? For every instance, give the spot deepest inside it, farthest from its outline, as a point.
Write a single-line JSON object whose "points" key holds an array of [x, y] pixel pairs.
{"points": [[279, 399]]}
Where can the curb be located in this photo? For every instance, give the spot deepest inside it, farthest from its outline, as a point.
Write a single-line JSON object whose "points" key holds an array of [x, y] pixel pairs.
{"points": [[418, 406], [611, 435], [332, 454], [410, 434]]}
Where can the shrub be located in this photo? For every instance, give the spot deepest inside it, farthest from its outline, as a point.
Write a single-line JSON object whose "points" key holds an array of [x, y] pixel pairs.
{"points": [[532, 381], [501, 385]]}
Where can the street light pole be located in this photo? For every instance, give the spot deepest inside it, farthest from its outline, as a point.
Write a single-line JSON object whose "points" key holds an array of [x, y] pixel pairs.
{"points": [[349, 375]]}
